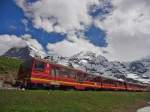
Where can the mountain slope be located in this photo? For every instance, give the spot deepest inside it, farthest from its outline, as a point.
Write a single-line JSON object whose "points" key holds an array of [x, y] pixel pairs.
{"points": [[9, 65], [21, 53]]}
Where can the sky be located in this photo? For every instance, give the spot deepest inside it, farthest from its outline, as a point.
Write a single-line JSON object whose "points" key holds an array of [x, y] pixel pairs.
{"points": [[116, 29]]}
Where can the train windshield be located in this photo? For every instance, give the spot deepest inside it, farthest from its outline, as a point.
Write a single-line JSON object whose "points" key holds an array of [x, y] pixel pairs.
{"points": [[39, 65]]}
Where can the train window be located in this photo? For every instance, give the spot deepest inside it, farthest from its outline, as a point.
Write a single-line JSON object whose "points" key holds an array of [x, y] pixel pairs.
{"points": [[121, 83], [39, 66], [80, 77], [86, 77], [65, 72], [104, 81], [72, 74], [108, 81], [55, 72], [89, 77]]}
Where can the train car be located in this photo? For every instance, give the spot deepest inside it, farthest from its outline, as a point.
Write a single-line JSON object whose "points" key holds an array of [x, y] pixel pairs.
{"points": [[43, 73]]}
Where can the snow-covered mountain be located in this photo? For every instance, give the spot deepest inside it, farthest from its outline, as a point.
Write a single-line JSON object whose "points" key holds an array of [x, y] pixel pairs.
{"points": [[137, 71], [21, 53], [141, 68], [24, 52]]}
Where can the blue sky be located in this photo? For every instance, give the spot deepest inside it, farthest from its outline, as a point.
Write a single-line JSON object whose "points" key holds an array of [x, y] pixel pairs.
{"points": [[11, 21], [121, 28]]}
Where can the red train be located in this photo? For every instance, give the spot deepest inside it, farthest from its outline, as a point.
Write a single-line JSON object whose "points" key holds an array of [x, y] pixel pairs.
{"points": [[42, 73]]}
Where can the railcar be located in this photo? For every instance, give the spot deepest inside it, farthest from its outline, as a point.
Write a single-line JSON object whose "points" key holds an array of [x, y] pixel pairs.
{"points": [[43, 73]]}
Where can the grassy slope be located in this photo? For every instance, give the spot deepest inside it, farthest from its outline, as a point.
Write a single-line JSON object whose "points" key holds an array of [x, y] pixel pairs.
{"points": [[71, 101], [8, 65]]}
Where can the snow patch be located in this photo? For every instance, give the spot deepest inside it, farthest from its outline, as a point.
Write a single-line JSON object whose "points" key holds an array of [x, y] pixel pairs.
{"points": [[132, 75], [145, 109]]}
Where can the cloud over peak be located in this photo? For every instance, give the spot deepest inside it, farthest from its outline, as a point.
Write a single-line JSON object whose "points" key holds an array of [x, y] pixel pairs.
{"points": [[73, 46], [10, 41]]}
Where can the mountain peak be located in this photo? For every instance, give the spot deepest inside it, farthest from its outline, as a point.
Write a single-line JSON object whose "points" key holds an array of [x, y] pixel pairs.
{"points": [[24, 52]]}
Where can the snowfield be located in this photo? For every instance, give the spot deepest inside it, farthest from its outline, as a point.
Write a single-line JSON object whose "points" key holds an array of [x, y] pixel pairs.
{"points": [[145, 109]]}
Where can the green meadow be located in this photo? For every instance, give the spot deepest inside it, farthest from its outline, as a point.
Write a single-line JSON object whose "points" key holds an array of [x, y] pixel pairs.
{"points": [[71, 101]]}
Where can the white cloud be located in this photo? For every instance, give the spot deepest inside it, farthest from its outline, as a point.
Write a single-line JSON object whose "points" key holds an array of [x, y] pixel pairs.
{"points": [[58, 15], [127, 28], [9, 41], [73, 46], [32, 42]]}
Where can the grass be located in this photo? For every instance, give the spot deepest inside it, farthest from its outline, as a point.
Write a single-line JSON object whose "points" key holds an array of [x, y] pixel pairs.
{"points": [[71, 101], [9, 65]]}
